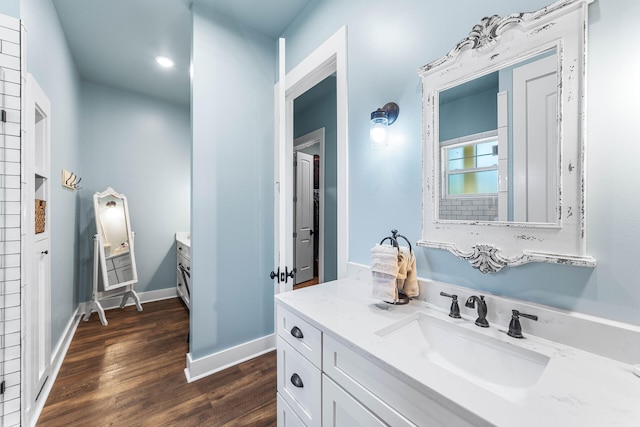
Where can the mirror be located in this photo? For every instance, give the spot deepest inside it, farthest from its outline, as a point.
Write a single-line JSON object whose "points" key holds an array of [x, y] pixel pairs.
{"points": [[503, 141], [115, 240], [498, 144]]}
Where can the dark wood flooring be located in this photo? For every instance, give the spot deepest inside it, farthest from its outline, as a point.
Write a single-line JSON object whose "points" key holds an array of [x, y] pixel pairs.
{"points": [[311, 282], [131, 373]]}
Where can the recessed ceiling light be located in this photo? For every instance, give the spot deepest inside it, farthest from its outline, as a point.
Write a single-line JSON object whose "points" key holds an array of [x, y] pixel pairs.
{"points": [[164, 61]]}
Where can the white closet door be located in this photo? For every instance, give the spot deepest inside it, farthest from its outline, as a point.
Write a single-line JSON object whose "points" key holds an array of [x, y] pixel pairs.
{"points": [[304, 217]]}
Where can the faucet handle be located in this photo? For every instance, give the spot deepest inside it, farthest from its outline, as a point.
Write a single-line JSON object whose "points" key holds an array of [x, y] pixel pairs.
{"points": [[515, 329], [454, 311]]}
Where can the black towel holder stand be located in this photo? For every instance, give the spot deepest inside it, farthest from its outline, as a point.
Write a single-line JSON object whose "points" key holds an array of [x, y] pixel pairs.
{"points": [[394, 240], [402, 298]]}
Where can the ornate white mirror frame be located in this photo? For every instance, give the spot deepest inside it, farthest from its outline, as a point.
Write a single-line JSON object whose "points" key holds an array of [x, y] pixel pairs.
{"points": [[112, 219], [492, 44]]}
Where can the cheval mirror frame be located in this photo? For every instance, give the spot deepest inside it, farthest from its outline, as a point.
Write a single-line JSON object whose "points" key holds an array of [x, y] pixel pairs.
{"points": [[114, 263], [502, 42]]}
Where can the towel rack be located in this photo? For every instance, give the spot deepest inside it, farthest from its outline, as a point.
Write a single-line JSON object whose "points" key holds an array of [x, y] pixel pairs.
{"points": [[394, 240]]}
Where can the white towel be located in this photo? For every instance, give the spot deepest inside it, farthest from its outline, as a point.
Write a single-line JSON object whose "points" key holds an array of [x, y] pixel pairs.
{"points": [[407, 276], [384, 272]]}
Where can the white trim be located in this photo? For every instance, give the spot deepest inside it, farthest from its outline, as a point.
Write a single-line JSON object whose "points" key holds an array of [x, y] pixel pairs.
{"points": [[312, 138], [57, 358], [115, 301], [199, 368]]}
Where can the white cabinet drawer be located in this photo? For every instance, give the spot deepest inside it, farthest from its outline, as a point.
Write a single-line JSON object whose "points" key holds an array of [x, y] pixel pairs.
{"points": [[299, 384], [300, 335], [339, 409], [286, 416], [391, 399]]}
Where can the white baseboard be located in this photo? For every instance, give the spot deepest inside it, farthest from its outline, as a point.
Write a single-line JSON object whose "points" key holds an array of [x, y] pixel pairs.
{"points": [[205, 366], [149, 296], [57, 358]]}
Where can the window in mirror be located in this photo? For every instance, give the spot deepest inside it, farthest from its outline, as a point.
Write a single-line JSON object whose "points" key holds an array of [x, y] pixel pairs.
{"points": [[471, 168]]}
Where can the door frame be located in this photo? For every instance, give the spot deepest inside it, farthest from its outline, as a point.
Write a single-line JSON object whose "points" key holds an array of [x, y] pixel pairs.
{"points": [[307, 140], [329, 58]]}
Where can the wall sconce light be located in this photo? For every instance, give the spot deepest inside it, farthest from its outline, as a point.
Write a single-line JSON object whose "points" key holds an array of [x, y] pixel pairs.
{"points": [[380, 120]]}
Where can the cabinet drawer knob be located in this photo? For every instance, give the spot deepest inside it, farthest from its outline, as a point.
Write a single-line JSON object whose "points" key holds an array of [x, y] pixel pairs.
{"points": [[296, 332], [296, 380]]}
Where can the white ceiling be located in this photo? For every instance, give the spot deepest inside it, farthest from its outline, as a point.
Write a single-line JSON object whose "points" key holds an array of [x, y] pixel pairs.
{"points": [[114, 42]]}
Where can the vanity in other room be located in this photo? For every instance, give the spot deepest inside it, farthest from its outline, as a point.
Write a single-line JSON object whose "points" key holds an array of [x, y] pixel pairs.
{"points": [[183, 266]]}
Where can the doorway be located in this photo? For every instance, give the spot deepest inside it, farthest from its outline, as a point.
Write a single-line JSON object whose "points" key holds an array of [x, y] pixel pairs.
{"points": [[329, 59], [315, 204]]}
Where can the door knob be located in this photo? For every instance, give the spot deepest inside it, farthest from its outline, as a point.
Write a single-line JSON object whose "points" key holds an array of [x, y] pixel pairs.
{"points": [[45, 252], [275, 274]]}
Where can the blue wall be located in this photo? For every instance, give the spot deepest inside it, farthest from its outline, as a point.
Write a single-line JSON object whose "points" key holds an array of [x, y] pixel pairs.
{"points": [[10, 7], [383, 69], [323, 113], [141, 147], [49, 60], [232, 184], [480, 112]]}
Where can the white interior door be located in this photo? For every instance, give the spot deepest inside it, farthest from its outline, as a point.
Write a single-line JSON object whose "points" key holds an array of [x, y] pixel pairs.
{"points": [[535, 105], [304, 214]]}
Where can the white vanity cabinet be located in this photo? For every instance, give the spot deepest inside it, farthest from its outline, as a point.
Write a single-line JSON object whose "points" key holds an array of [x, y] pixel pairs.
{"points": [[370, 377], [299, 347], [392, 400], [183, 267], [340, 409], [322, 382]]}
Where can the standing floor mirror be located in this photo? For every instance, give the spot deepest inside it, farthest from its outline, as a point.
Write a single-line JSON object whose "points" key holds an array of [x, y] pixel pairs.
{"points": [[114, 262]]}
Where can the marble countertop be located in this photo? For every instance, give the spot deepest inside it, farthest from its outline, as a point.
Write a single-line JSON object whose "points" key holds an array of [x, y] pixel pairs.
{"points": [[184, 238], [577, 388]]}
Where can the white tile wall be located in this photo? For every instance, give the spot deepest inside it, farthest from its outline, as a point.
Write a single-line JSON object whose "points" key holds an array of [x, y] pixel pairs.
{"points": [[10, 234], [470, 208]]}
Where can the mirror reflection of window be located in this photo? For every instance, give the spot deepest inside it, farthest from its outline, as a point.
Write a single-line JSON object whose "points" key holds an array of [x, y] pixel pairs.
{"points": [[471, 168]]}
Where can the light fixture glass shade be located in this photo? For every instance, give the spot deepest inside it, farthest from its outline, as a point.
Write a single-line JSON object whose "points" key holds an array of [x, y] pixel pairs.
{"points": [[380, 121], [378, 129], [165, 62]]}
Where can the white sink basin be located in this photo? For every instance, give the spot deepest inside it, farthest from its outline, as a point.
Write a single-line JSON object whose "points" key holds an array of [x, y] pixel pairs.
{"points": [[502, 368]]}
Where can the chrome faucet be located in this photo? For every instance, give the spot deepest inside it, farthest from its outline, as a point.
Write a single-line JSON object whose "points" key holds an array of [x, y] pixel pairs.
{"points": [[482, 309]]}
